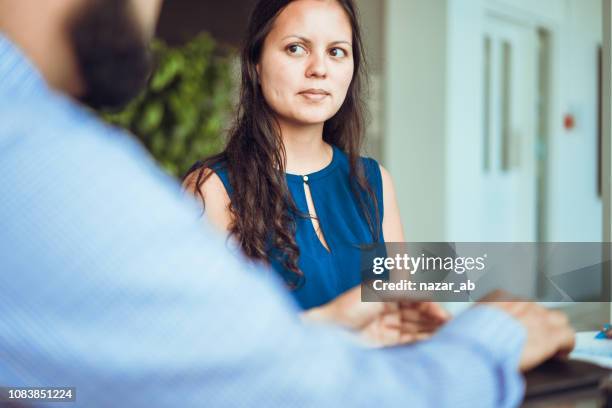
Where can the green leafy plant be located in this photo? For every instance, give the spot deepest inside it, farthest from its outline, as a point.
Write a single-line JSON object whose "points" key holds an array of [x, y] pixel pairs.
{"points": [[182, 114]]}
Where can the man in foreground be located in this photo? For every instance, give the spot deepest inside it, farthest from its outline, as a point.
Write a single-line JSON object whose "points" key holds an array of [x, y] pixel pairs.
{"points": [[110, 284]]}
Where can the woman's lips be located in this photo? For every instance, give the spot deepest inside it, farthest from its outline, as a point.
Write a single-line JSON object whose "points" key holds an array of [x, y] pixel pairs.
{"points": [[314, 96]]}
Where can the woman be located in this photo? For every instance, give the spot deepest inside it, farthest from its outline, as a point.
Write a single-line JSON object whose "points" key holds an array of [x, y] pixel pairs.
{"points": [[290, 186]]}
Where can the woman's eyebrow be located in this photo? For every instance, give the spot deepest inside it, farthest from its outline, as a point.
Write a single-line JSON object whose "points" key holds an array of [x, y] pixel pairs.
{"points": [[342, 42], [299, 37], [307, 41]]}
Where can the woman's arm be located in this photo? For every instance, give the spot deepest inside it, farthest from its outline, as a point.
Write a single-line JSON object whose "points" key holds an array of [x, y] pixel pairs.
{"points": [[392, 222], [215, 196]]}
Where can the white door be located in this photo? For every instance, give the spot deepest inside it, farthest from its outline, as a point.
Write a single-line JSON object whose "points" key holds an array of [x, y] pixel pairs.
{"points": [[509, 131]]}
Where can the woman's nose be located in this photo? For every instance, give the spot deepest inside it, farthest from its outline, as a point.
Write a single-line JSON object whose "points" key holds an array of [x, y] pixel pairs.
{"points": [[317, 66]]}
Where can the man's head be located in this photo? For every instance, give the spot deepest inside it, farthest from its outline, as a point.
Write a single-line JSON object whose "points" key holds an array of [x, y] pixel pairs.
{"points": [[110, 40], [93, 50]]}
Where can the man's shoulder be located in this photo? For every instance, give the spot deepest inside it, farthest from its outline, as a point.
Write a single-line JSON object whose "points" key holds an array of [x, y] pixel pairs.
{"points": [[43, 118], [65, 149], [55, 124], [60, 164]]}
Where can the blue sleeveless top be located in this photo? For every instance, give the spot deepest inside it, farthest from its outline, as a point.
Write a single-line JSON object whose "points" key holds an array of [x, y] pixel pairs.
{"points": [[328, 274]]}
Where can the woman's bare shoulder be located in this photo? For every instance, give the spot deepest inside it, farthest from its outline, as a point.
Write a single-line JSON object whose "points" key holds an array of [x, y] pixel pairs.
{"points": [[204, 182], [211, 194]]}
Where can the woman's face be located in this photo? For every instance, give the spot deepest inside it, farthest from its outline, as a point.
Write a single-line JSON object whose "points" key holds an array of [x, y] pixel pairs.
{"points": [[306, 65]]}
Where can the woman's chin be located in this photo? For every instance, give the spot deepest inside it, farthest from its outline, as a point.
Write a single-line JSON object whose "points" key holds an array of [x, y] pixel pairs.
{"points": [[312, 118]]}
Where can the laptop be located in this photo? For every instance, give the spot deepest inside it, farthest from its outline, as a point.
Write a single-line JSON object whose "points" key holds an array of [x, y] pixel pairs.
{"points": [[556, 376]]}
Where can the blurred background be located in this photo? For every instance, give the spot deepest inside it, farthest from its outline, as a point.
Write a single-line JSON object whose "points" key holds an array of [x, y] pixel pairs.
{"points": [[486, 112]]}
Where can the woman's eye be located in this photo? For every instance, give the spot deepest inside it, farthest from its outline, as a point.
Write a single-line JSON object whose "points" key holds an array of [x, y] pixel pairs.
{"points": [[337, 52], [296, 49]]}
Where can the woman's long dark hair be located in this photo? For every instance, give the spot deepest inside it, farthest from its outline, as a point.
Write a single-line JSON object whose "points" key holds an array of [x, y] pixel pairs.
{"points": [[261, 206]]}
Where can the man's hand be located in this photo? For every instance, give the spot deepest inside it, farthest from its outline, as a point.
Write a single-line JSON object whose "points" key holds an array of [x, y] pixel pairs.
{"points": [[548, 331]]}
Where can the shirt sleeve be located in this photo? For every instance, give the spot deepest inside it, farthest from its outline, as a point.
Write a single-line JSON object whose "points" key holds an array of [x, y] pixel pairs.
{"points": [[111, 284]]}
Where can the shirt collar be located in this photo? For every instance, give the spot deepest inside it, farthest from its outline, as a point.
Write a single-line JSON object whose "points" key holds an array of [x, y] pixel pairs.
{"points": [[18, 76]]}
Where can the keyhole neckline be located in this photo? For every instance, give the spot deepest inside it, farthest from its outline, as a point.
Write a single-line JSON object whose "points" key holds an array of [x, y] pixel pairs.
{"points": [[302, 178]]}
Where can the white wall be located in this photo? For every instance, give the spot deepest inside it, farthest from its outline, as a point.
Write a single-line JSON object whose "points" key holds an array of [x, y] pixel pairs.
{"points": [[415, 113], [607, 121], [433, 117], [464, 182], [575, 210]]}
